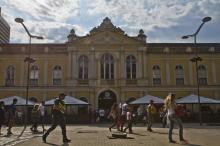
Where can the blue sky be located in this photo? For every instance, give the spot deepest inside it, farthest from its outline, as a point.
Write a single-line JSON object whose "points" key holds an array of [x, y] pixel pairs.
{"points": [[163, 21]]}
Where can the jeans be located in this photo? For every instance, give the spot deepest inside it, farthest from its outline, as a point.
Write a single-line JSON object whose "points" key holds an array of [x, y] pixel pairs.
{"points": [[174, 119], [58, 119], [150, 121]]}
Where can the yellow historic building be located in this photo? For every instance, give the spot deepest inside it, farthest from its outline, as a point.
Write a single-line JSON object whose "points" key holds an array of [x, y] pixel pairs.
{"points": [[107, 65]]}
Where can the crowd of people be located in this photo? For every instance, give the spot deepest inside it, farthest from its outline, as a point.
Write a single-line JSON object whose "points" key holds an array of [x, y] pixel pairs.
{"points": [[122, 115], [10, 115], [170, 113]]}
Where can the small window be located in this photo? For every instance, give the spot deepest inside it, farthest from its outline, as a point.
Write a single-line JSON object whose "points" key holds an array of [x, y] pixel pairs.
{"points": [[10, 73], [131, 67], [57, 75], [34, 75]]}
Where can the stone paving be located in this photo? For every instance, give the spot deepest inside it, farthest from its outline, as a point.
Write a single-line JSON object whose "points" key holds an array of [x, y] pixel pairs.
{"points": [[15, 138], [98, 135]]}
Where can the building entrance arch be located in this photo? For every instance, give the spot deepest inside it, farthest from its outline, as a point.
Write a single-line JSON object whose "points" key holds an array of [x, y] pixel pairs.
{"points": [[106, 99]]}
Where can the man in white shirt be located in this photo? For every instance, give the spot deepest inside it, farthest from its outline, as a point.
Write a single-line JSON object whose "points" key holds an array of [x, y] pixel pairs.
{"points": [[124, 109], [42, 114]]}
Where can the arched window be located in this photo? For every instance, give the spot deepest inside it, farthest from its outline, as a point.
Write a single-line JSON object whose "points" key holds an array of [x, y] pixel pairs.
{"points": [[202, 75], [34, 75], [107, 66], [179, 75], [83, 67], [10, 71], [156, 75], [57, 75], [131, 67]]}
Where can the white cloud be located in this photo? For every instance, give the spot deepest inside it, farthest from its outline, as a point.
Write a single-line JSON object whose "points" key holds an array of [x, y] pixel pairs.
{"points": [[145, 14], [210, 7], [55, 18], [54, 10]]}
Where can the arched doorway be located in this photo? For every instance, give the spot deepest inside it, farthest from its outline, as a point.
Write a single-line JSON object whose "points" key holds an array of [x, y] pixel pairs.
{"points": [[106, 99]]}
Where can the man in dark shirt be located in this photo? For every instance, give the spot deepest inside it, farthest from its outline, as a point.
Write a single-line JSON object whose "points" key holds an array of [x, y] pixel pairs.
{"points": [[58, 118], [2, 115], [11, 115]]}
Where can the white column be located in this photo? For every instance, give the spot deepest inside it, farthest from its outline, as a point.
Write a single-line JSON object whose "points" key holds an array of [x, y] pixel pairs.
{"points": [[214, 80], [168, 72], [69, 69], [122, 65], [46, 72], [145, 65], [139, 64], [95, 69], [190, 73], [91, 64], [74, 65], [22, 72]]}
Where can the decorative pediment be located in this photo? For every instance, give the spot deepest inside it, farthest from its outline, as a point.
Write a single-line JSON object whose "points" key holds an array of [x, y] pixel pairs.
{"points": [[107, 33], [106, 25]]}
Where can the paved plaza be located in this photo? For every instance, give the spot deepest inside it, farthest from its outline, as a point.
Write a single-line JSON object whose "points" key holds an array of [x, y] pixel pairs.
{"points": [[98, 135]]}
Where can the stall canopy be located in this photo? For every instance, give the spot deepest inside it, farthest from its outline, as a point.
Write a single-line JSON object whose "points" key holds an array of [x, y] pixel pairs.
{"points": [[146, 100], [193, 99], [20, 101], [68, 101]]}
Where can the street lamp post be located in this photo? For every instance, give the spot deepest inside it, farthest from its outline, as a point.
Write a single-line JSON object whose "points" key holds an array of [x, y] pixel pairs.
{"points": [[196, 59], [28, 60]]}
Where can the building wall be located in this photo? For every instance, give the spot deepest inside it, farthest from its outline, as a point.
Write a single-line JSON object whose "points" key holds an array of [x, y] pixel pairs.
{"points": [[119, 46]]}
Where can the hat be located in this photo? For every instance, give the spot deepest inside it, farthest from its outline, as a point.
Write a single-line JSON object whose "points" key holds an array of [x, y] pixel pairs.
{"points": [[62, 94]]}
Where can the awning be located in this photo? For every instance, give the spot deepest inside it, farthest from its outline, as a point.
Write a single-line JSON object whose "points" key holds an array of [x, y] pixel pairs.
{"points": [[20, 101], [193, 99], [146, 100], [68, 101]]}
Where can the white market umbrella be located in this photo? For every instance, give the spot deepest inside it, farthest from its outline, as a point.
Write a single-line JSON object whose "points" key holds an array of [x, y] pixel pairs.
{"points": [[68, 101], [193, 99], [146, 100], [20, 101]]}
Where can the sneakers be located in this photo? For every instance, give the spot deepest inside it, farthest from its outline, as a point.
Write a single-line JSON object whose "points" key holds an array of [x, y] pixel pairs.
{"points": [[183, 141], [9, 133], [44, 138], [172, 141], [66, 140]]}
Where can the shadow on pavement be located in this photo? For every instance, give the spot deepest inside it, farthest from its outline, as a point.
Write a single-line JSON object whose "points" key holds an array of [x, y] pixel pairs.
{"points": [[138, 134], [52, 144], [193, 145], [110, 137], [158, 132]]}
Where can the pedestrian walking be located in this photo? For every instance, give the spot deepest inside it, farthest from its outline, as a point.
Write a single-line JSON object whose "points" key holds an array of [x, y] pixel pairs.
{"points": [[58, 118], [35, 117], [122, 120], [42, 114], [151, 111], [129, 120], [171, 106], [2, 115], [11, 112], [115, 114], [163, 116]]}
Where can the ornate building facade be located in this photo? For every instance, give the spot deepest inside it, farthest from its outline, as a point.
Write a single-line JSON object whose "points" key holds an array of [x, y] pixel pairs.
{"points": [[109, 66]]}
